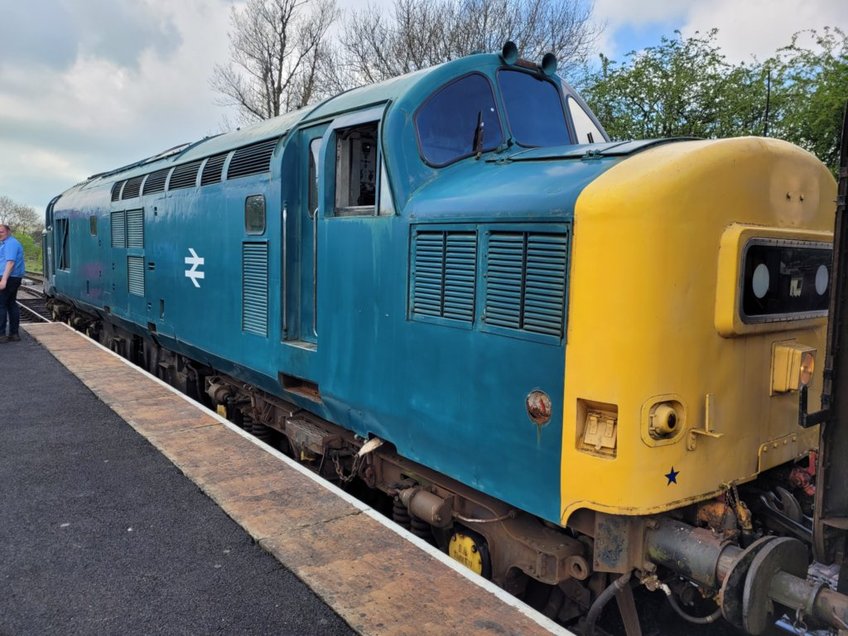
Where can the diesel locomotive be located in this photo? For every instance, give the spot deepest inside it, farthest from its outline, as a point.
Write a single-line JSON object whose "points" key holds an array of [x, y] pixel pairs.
{"points": [[575, 365]]}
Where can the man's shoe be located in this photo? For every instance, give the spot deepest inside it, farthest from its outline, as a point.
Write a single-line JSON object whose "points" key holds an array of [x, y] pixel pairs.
{"points": [[4, 339], [14, 338]]}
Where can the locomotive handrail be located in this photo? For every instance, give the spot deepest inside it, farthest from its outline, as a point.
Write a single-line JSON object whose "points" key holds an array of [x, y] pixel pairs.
{"points": [[285, 250], [315, 272], [830, 521]]}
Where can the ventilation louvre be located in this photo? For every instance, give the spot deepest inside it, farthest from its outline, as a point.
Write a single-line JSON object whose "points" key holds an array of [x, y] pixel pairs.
{"points": [[135, 275], [525, 281], [116, 190], [444, 275], [253, 159], [544, 288], [132, 188], [156, 181], [184, 176], [135, 228], [213, 169], [255, 288], [119, 232]]}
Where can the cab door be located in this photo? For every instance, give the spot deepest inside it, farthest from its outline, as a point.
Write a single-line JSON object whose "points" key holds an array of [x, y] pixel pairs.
{"points": [[47, 247], [302, 228]]}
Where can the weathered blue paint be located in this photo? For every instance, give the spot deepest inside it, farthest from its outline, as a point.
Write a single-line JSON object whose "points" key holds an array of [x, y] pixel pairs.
{"points": [[447, 395]]}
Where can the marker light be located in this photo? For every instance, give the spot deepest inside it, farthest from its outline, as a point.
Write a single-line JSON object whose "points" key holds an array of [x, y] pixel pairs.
{"points": [[808, 366], [792, 366]]}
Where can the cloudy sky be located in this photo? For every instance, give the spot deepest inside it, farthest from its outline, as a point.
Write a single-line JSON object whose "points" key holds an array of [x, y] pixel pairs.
{"points": [[88, 85]]}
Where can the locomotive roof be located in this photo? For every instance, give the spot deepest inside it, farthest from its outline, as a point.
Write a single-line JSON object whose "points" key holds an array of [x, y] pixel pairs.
{"points": [[356, 98]]}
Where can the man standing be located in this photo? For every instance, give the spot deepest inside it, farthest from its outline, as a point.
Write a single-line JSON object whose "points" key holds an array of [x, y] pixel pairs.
{"points": [[12, 264]]}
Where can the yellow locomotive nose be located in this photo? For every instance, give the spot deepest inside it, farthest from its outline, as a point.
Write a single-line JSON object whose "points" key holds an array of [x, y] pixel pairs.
{"points": [[688, 342]]}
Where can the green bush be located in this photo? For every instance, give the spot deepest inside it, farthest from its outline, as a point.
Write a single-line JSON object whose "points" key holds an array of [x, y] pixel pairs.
{"points": [[32, 252]]}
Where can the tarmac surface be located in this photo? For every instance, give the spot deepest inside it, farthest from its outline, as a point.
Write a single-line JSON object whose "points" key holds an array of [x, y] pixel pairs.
{"points": [[101, 534]]}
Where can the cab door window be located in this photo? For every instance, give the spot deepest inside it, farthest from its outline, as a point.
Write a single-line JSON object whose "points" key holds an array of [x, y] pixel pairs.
{"points": [[356, 170], [351, 156]]}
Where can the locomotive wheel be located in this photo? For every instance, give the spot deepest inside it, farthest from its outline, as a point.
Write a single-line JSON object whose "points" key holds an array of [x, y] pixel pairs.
{"points": [[780, 555], [733, 587]]}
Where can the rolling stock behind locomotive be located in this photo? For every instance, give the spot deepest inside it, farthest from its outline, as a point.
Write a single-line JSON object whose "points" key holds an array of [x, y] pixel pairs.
{"points": [[564, 359]]}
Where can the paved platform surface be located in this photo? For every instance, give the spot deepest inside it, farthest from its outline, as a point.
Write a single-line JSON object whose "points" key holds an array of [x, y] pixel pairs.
{"points": [[105, 531], [101, 534]]}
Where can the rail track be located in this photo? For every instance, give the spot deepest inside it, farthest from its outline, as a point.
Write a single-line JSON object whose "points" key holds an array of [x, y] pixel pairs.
{"points": [[31, 299]]}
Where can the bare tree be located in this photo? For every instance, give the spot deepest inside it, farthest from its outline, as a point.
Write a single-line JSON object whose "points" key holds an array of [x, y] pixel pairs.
{"points": [[275, 49], [419, 33], [23, 219]]}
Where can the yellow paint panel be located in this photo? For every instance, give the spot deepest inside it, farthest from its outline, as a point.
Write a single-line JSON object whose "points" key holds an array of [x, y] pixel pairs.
{"points": [[643, 320]]}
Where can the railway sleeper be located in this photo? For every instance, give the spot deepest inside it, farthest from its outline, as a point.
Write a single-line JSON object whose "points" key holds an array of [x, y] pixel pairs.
{"points": [[709, 552]]}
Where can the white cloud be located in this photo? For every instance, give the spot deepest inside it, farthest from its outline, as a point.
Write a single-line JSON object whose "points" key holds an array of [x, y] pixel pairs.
{"points": [[760, 27], [110, 102], [619, 12], [60, 166], [748, 28]]}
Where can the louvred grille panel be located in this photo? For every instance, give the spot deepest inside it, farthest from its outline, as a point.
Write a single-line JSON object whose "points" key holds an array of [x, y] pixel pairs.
{"points": [[525, 282], [212, 170], [132, 188], [185, 176], [156, 181], [255, 288], [253, 159], [444, 275]]}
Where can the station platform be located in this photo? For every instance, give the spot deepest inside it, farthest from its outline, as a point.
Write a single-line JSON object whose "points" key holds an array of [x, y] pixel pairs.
{"points": [[129, 508]]}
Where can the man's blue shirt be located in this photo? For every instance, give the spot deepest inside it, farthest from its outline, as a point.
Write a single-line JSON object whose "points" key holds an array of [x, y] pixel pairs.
{"points": [[12, 250]]}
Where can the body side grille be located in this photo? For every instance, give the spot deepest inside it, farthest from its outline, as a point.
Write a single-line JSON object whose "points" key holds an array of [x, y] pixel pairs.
{"points": [[212, 170], [525, 281], [253, 159], [116, 190], [132, 188], [135, 275], [156, 181], [184, 176], [255, 288], [119, 232], [135, 228], [444, 274]]}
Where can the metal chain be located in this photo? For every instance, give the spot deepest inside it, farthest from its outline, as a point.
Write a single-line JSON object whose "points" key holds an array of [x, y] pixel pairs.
{"points": [[731, 496], [353, 471]]}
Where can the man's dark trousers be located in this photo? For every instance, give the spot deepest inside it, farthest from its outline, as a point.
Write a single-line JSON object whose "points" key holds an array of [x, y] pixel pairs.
{"points": [[8, 305]]}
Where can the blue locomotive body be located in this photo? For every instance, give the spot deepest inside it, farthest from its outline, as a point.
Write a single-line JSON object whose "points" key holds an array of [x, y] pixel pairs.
{"points": [[324, 258]]}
